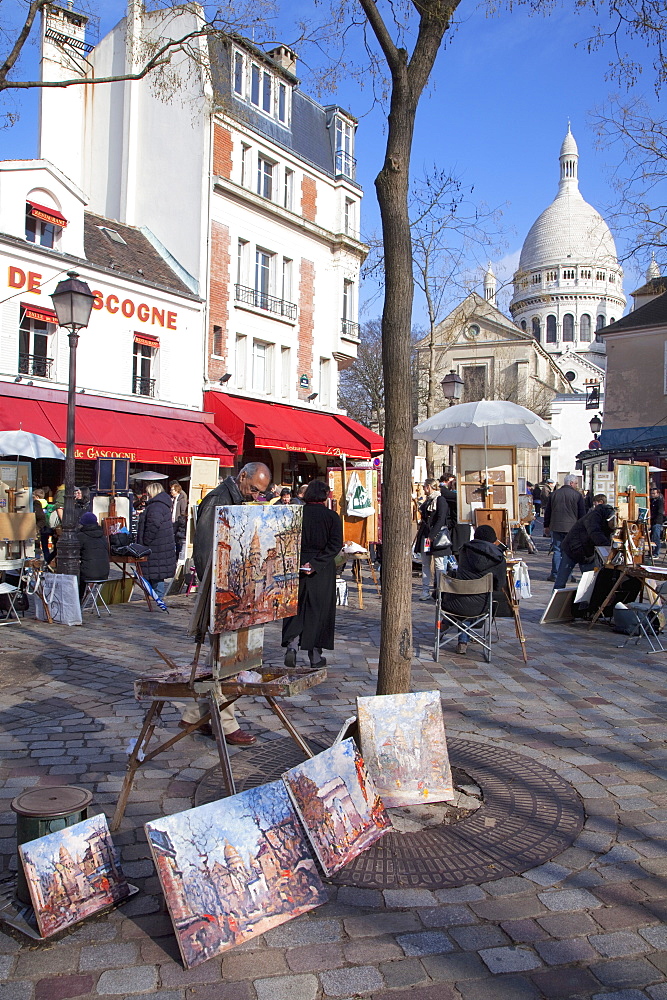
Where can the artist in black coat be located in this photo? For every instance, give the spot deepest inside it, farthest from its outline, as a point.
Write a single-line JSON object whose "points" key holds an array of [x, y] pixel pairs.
{"points": [[578, 546], [156, 531], [93, 551], [476, 559], [313, 626]]}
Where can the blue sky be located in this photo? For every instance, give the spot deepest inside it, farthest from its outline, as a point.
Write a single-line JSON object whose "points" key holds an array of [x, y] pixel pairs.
{"points": [[495, 113]]}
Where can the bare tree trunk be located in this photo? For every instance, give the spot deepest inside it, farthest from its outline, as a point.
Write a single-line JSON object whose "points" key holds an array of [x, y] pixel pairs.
{"points": [[408, 82]]}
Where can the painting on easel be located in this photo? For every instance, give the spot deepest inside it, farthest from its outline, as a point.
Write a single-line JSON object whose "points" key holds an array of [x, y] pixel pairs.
{"points": [[233, 869], [404, 746], [338, 804], [72, 874], [255, 565]]}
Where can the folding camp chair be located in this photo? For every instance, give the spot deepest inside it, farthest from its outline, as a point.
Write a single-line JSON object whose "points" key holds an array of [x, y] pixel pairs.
{"points": [[646, 620], [462, 623]]}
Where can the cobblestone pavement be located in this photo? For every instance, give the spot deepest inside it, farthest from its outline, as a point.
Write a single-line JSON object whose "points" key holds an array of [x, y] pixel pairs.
{"points": [[588, 924]]}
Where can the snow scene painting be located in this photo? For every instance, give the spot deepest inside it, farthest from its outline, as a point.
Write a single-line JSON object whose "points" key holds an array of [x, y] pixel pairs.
{"points": [[255, 565], [404, 746], [233, 869], [338, 804], [72, 874]]}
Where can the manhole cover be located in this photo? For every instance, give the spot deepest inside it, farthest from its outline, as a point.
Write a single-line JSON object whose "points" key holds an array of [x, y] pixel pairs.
{"points": [[529, 815]]}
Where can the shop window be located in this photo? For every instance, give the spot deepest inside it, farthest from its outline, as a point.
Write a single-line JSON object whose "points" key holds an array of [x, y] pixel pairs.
{"points": [[568, 328], [585, 329], [551, 329], [35, 347]]}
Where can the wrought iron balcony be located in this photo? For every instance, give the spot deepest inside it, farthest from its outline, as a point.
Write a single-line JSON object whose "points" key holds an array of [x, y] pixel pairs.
{"points": [[349, 329], [345, 164], [261, 300], [143, 386], [35, 364]]}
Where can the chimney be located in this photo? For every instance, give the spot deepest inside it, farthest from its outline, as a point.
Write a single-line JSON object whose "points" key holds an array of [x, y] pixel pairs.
{"points": [[285, 57]]}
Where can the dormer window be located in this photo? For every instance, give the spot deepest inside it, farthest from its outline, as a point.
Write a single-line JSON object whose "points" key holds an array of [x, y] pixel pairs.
{"points": [[344, 150], [43, 225], [260, 86]]}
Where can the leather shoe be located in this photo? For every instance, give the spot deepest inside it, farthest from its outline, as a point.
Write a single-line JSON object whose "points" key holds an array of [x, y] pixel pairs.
{"points": [[320, 663], [240, 738], [290, 659]]}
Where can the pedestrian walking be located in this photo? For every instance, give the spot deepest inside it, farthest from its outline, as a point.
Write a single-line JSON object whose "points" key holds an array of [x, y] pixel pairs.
{"points": [[179, 514], [157, 532], [314, 624], [426, 511], [657, 514], [563, 509]]}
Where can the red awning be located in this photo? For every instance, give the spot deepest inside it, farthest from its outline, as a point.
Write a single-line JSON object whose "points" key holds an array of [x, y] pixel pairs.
{"points": [[287, 428], [147, 340], [374, 441], [37, 312], [47, 214], [141, 437]]}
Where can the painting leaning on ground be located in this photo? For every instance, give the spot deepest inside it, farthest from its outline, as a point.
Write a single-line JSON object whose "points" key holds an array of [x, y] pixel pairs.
{"points": [[338, 804], [233, 869], [256, 552], [72, 874]]}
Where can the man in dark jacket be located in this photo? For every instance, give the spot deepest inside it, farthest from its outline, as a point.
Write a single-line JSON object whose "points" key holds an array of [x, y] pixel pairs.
{"points": [[252, 480], [563, 509], [448, 491], [657, 514], [476, 559], [593, 529], [93, 551]]}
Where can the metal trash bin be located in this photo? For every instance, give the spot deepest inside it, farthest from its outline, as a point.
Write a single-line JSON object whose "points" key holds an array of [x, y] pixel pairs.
{"points": [[40, 811]]}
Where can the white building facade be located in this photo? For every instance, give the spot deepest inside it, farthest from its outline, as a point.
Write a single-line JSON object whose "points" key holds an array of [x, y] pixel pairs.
{"points": [[569, 284], [248, 182]]}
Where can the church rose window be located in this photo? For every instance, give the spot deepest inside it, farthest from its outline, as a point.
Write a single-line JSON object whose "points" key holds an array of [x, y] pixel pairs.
{"points": [[568, 327], [551, 329]]}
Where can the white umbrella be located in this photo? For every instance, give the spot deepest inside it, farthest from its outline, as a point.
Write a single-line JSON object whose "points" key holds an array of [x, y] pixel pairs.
{"points": [[149, 477], [28, 445], [487, 422]]}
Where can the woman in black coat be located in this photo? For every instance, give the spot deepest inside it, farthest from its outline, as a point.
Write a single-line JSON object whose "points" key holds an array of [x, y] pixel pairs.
{"points": [[93, 551], [156, 530], [313, 626]]}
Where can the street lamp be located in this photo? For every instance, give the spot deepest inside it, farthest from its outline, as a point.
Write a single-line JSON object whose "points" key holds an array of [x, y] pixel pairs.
{"points": [[73, 303], [595, 424], [452, 387]]}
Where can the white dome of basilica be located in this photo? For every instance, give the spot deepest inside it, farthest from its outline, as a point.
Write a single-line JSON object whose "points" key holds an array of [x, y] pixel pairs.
{"points": [[570, 228], [569, 284]]}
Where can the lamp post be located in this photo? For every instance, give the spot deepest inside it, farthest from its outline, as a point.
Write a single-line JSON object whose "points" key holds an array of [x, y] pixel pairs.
{"points": [[595, 424], [452, 387], [73, 303]]}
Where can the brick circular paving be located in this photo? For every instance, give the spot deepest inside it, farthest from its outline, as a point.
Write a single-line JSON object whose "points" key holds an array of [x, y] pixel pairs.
{"points": [[529, 815]]}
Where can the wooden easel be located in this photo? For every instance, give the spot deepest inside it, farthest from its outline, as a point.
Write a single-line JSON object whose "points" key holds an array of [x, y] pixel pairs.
{"points": [[514, 607]]}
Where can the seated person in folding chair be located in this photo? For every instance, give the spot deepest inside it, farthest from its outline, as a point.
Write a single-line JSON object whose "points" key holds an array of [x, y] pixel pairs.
{"points": [[476, 558], [93, 551]]}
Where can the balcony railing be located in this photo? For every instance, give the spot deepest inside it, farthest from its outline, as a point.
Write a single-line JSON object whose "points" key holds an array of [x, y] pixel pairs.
{"points": [[345, 164], [143, 386], [35, 364], [349, 329], [261, 300]]}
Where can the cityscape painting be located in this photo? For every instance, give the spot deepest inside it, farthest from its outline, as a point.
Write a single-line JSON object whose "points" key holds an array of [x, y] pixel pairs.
{"points": [[72, 874], [338, 805], [255, 565], [404, 746], [233, 869]]}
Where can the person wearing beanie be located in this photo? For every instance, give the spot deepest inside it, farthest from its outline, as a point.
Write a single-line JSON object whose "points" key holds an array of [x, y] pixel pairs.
{"points": [[93, 551], [476, 558]]}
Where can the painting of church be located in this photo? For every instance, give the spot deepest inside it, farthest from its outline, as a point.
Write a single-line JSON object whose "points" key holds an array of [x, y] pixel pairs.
{"points": [[233, 869], [338, 804], [72, 874], [255, 565], [404, 746]]}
